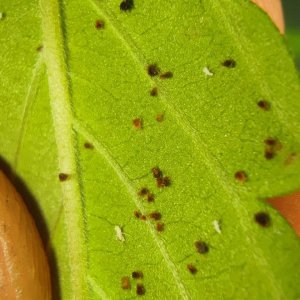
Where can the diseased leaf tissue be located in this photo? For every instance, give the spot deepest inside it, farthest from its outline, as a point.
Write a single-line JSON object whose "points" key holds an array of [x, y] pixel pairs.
{"points": [[149, 134]]}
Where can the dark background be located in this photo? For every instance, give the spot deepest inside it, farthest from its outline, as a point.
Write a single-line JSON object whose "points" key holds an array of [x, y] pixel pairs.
{"points": [[292, 21]]}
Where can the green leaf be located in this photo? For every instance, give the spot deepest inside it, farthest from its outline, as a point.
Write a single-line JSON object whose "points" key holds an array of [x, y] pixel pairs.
{"points": [[224, 128]]}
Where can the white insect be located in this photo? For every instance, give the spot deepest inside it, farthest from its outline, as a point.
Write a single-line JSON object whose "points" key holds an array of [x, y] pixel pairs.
{"points": [[119, 234], [1, 15], [207, 72], [217, 226]]}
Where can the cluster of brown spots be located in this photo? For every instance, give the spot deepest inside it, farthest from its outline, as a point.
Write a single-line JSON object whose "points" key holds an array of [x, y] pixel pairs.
{"points": [[160, 226], [137, 123], [272, 147], [40, 48], [229, 63], [241, 176], [166, 75], [63, 176], [154, 92], [99, 24], [160, 117], [155, 215], [125, 283], [139, 215], [201, 247], [264, 105], [263, 219], [137, 275], [88, 145], [127, 5], [144, 192], [140, 289], [192, 269], [153, 70], [156, 172], [161, 181]]}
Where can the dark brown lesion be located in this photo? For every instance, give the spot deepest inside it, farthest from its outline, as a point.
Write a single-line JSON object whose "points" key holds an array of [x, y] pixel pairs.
{"points": [[99, 24], [201, 247], [264, 105], [263, 219], [166, 75], [127, 5], [125, 283], [272, 147], [63, 176], [193, 270], [153, 70], [229, 63], [241, 176]]}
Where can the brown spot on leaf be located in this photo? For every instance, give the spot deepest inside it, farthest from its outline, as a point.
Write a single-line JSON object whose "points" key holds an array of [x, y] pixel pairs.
{"points": [[153, 70], [193, 270], [40, 48], [241, 176], [162, 182], [160, 117], [150, 197], [137, 123], [156, 172], [155, 215], [143, 218], [137, 275], [264, 105], [166, 75], [160, 226], [263, 219], [127, 5], [272, 147], [229, 63], [125, 283], [99, 24], [201, 247], [88, 145], [143, 192], [137, 214], [63, 176], [140, 289], [154, 92]]}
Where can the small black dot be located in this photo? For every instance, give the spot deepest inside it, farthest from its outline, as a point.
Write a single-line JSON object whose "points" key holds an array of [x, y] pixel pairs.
{"points": [[127, 5], [264, 105], [137, 275], [229, 63], [153, 70], [63, 176], [263, 219]]}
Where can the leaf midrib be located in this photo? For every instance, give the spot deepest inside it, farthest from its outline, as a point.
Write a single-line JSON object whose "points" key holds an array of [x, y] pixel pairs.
{"points": [[60, 100]]}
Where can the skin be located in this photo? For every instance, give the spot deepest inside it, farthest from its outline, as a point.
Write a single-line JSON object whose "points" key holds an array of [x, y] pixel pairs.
{"points": [[24, 269], [289, 205]]}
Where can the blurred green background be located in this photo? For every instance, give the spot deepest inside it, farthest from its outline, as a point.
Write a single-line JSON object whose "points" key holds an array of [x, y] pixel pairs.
{"points": [[292, 21]]}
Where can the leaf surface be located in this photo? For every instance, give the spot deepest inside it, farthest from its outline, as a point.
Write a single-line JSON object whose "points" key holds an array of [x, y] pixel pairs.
{"points": [[224, 128]]}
